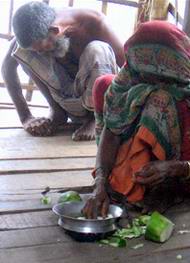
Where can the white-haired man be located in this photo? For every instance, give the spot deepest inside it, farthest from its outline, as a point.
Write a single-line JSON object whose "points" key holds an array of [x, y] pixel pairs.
{"points": [[63, 52]]}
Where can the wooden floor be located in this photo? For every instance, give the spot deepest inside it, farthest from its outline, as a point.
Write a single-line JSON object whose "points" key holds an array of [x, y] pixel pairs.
{"points": [[29, 231]]}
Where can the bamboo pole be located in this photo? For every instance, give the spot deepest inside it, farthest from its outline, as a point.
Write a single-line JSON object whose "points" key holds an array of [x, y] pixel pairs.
{"points": [[10, 16], [121, 2], [104, 7], [71, 3], [159, 10]]}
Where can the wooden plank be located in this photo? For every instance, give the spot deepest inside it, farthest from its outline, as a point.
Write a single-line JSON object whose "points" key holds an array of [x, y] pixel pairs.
{"points": [[18, 144], [27, 220], [28, 195], [122, 2], [51, 244], [75, 252], [38, 181], [32, 237], [9, 117], [45, 165], [34, 204]]}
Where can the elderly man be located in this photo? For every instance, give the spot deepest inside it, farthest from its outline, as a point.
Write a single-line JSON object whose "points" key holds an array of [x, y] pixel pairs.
{"points": [[143, 128], [63, 52]]}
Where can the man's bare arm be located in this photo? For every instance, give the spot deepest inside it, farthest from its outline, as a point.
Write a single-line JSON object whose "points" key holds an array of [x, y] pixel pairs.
{"points": [[109, 36], [91, 25], [104, 32], [11, 79]]}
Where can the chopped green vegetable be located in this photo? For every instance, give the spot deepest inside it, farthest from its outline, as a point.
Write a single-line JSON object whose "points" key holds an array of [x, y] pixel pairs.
{"points": [[46, 200], [143, 220], [138, 246], [114, 242], [138, 228], [69, 196], [159, 228], [179, 256], [117, 242], [104, 241]]}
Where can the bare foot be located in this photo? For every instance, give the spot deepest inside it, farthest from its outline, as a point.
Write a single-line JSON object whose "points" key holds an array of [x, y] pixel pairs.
{"points": [[86, 132], [58, 117]]}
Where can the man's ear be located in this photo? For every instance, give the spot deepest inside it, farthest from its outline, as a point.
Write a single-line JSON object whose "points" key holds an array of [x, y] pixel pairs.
{"points": [[54, 30]]}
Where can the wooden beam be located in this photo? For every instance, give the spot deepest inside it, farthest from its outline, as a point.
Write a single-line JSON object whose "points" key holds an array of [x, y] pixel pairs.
{"points": [[173, 12], [71, 3], [10, 16], [24, 86], [104, 7], [122, 2], [186, 23], [6, 36]]}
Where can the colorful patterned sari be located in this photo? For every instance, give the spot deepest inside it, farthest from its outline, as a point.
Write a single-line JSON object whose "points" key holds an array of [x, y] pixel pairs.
{"points": [[140, 104]]}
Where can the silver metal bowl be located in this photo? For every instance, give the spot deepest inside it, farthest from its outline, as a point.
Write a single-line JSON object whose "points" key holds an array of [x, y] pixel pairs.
{"points": [[69, 211]]}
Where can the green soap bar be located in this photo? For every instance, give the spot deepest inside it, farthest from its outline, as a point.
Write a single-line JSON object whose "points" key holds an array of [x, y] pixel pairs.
{"points": [[159, 228]]}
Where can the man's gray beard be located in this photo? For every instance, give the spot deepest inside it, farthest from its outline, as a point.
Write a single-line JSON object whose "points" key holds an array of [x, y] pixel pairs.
{"points": [[62, 47]]}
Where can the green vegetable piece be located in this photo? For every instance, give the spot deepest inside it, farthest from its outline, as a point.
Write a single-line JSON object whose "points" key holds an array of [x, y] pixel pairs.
{"points": [[117, 242], [125, 233], [136, 222], [69, 196], [159, 228], [138, 246], [46, 200], [137, 231], [103, 241], [179, 257], [143, 220], [113, 241]]}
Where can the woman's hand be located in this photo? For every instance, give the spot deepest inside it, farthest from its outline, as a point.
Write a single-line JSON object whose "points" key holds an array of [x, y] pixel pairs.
{"points": [[156, 172], [98, 203]]}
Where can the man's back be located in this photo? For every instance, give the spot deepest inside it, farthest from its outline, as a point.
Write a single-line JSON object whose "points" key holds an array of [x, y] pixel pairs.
{"points": [[83, 26]]}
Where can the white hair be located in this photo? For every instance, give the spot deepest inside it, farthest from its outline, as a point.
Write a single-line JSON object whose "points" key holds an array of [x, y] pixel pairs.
{"points": [[31, 22]]}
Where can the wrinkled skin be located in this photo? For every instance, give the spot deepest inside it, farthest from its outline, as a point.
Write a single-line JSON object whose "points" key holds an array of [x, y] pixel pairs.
{"points": [[153, 176], [79, 27], [156, 172], [97, 204], [38, 126], [163, 184]]}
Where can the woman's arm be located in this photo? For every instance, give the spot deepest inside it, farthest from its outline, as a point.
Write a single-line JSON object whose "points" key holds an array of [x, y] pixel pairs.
{"points": [[105, 160]]}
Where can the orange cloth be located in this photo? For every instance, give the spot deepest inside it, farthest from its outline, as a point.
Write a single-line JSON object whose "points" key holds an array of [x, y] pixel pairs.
{"points": [[132, 156]]}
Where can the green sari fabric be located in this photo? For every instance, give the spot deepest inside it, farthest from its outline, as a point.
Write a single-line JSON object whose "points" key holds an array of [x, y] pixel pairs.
{"points": [[145, 92]]}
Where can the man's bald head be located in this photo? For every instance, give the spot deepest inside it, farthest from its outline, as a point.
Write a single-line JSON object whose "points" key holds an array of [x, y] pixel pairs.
{"points": [[31, 22]]}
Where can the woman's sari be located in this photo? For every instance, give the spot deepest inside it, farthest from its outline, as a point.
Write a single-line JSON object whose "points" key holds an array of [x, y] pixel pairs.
{"points": [[141, 102]]}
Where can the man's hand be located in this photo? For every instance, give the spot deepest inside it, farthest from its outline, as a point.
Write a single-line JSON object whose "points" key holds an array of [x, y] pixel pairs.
{"points": [[38, 126], [97, 204], [156, 172]]}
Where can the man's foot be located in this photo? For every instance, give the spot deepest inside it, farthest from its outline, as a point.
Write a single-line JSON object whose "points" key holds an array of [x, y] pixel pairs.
{"points": [[86, 132], [58, 118]]}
